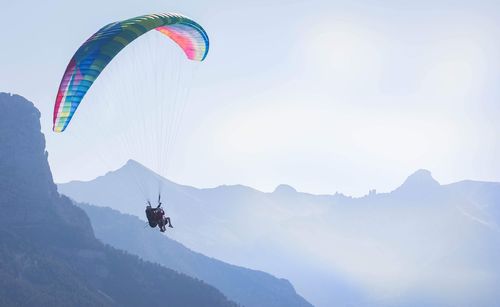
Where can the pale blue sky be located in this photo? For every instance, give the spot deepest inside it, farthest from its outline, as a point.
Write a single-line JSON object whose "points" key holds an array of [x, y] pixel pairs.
{"points": [[323, 95]]}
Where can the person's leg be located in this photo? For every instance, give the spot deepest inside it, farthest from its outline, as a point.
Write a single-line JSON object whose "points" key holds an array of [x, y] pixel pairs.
{"points": [[168, 222], [161, 224]]}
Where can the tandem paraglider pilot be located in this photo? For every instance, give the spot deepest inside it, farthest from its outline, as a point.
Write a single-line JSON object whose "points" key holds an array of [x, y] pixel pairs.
{"points": [[156, 217]]}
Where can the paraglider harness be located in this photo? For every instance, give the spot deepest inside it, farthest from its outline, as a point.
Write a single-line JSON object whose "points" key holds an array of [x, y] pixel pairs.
{"points": [[156, 216]]}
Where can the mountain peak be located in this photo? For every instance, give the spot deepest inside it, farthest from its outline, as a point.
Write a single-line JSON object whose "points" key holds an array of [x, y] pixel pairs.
{"points": [[132, 163], [421, 175], [284, 189], [420, 180], [134, 166]]}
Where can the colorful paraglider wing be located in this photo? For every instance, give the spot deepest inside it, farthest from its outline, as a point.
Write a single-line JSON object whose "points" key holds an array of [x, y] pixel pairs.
{"points": [[193, 41], [93, 56]]}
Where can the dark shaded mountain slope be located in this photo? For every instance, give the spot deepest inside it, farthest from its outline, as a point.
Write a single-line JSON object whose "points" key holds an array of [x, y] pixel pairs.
{"points": [[48, 253], [244, 286]]}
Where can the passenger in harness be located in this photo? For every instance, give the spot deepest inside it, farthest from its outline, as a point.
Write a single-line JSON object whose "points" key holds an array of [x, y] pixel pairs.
{"points": [[156, 216]]}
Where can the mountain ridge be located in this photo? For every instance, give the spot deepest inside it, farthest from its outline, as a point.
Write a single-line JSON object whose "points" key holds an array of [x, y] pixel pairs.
{"points": [[48, 252], [416, 177], [308, 233], [251, 288]]}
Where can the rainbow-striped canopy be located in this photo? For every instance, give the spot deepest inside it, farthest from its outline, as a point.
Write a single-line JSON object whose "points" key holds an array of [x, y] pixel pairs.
{"points": [[95, 53]]}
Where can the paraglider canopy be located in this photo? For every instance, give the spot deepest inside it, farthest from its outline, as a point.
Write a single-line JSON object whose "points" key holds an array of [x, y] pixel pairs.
{"points": [[100, 49]]}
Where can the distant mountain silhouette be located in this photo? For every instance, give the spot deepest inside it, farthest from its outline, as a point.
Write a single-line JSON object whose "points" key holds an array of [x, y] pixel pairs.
{"points": [[418, 185], [284, 189], [381, 249], [246, 287], [420, 180], [48, 253]]}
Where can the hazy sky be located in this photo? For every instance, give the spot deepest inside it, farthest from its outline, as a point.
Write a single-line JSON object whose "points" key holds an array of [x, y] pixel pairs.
{"points": [[323, 95]]}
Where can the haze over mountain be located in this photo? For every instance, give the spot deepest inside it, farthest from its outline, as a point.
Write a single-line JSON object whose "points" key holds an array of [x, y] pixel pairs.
{"points": [[246, 287], [48, 253], [423, 243]]}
